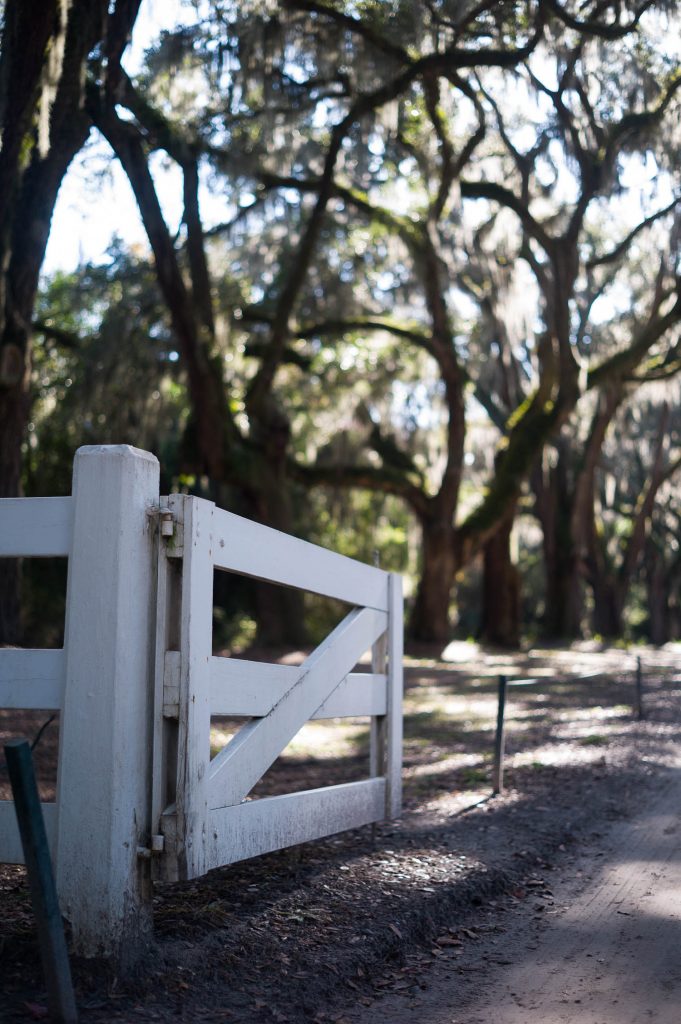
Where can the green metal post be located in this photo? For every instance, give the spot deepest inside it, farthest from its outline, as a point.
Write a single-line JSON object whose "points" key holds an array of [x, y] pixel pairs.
{"points": [[498, 769], [51, 937], [640, 711]]}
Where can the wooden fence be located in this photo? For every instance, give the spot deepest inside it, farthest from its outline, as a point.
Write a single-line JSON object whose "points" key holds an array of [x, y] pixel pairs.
{"points": [[138, 795]]}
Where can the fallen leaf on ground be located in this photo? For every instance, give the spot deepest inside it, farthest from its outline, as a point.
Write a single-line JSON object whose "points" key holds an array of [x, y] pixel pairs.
{"points": [[36, 1011]]}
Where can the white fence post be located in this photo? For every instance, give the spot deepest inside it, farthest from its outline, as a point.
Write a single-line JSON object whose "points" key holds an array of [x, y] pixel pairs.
{"points": [[105, 760]]}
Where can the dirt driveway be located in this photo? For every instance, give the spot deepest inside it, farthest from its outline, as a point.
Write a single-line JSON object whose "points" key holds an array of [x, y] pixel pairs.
{"points": [[602, 946], [326, 931]]}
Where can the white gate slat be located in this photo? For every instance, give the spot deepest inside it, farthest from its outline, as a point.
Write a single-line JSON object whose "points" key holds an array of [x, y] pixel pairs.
{"points": [[358, 695], [35, 527], [260, 826], [259, 551], [252, 688], [244, 760], [393, 722], [377, 726], [196, 635], [10, 840], [32, 679]]}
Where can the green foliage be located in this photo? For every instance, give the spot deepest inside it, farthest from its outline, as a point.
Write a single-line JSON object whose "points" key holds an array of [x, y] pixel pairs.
{"points": [[106, 371], [412, 303]]}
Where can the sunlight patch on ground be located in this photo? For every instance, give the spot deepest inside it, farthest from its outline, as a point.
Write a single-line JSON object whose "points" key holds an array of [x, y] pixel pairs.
{"points": [[432, 701], [445, 764], [323, 740], [554, 755], [460, 650], [461, 800]]}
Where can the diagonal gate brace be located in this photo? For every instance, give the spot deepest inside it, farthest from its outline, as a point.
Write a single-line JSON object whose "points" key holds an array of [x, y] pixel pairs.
{"points": [[244, 760]]}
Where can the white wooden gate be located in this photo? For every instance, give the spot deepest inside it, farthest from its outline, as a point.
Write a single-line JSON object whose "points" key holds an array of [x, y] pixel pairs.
{"points": [[136, 685], [201, 806]]}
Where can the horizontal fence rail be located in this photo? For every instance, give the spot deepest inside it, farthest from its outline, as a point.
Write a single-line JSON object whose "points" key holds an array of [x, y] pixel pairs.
{"points": [[250, 689], [32, 679], [11, 851], [36, 527], [250, 549], [260, 826]]}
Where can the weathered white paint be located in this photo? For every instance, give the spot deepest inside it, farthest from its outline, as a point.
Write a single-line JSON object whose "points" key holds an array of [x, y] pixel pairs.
{"points": [[104, 766], [164, 732], [246, 758], [172, 662], [32, 679], [185, 824], [393, 726], [259, 826], [35, 527], [377, 726], [254, 550], [137, 684], [10, 840], [252, 688]]}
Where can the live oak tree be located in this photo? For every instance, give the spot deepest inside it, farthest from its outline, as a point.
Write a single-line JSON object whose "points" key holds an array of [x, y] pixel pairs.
{"points": [[375, 70], [46, 48], [318, 124], [575, 167], [551, 244]]}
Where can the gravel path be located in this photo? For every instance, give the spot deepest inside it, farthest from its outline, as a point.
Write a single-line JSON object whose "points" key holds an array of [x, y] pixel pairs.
{"points": [[601, 948]]}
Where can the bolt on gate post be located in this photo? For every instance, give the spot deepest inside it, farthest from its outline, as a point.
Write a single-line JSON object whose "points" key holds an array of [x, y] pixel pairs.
{"points": [[105, 759]]}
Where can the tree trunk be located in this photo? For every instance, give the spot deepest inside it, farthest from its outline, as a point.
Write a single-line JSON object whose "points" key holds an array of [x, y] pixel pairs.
{"points": [[563, 600], [31, 176], [500, 590], [658, 604], [429, 621], [607, 617], [13, 415], [280, 612]]}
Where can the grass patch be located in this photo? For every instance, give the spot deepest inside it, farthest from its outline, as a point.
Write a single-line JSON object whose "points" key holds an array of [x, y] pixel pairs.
{"points": [[595, 740], [473, 777]]}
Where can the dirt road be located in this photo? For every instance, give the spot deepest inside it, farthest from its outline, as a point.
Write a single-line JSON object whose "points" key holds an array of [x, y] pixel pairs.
{"points": [[602, 946], [472, 909]]}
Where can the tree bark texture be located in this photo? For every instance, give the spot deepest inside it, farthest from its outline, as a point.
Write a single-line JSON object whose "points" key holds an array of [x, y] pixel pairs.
{"points": [[658, 604], [33, 162], [500, 623], [563, 600], [429, 621]]}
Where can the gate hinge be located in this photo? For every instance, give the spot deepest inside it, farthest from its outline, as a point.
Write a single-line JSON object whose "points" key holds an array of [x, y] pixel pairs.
{"points": [[166, 518], [157, 847]]}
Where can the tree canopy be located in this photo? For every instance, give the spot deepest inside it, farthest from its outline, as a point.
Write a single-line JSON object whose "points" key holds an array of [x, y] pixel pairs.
{"points": [[426, 275]]}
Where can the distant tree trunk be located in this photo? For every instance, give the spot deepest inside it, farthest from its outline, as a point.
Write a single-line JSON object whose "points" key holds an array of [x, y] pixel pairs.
{"points": [[429, 620], [658, 603], [563, 607], [607, 617], [280, 612], [500, 590], [611, 586]]}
